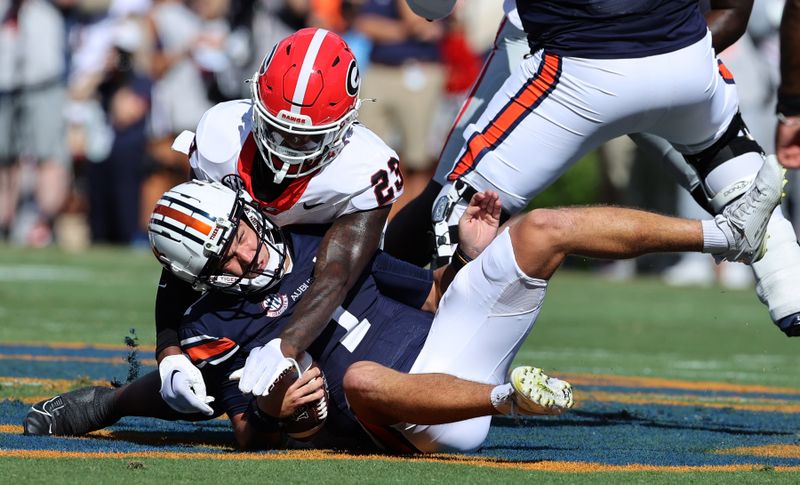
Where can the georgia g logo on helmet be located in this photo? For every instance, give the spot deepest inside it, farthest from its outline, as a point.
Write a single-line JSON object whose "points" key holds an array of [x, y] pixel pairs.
{"points": [[305, 100], [353, 79]]}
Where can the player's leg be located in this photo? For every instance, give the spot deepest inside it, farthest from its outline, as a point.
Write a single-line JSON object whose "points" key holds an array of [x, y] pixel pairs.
{"points": [[541, 121], [9, 163], [481, 322], [413, 222], [544, 237], [46, 135], [718, 146], [384, 396], [456, 416], [91, 408], [381, 395]]}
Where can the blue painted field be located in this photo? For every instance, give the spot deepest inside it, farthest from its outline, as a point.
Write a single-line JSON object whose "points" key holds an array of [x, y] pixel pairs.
{"points": [[619, 422]]}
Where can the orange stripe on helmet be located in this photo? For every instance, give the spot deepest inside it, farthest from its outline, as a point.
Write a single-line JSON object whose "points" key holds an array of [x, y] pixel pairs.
{"points": [[183, 218], [516, 109]]}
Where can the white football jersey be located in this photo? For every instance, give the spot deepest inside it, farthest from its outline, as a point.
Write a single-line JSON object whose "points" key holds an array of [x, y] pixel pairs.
{"points": [[364, 175]]}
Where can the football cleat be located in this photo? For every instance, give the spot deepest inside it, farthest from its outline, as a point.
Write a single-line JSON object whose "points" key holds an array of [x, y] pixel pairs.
{"points": [[73, 413], [790, 325], [744, 221], [536, 393]]}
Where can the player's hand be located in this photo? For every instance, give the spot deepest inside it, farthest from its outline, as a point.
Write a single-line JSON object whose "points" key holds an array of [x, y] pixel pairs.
{"points": [[182, 386], [264, 368], [478, 225], [308, 388], [787, 142]]}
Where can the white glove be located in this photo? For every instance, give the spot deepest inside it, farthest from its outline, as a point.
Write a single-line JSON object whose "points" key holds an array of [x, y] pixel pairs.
{"points": [[182, 386], [264, 367]]}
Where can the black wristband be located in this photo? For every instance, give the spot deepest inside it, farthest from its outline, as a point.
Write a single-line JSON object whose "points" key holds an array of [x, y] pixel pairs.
{"points": [[788, 105], [167, 337], [262, 422], [459, 259]]}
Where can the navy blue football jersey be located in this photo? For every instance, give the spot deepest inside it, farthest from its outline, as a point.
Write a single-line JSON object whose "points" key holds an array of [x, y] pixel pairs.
{"points": [[219, 330], [611, 29]]}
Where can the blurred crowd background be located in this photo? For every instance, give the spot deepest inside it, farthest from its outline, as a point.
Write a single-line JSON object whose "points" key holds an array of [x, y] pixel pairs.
{"points": [[92, 93]]}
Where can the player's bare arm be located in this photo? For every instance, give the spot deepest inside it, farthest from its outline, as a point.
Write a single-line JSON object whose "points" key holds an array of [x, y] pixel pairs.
{"points": [[173, 297], [727, 21], [787, 133], [345, 250]]}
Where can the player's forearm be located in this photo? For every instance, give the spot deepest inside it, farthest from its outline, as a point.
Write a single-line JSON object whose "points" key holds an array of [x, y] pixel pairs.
{"points": [[727, 21], [314, 312], [172, 299], [344, 252], [790, 53]]}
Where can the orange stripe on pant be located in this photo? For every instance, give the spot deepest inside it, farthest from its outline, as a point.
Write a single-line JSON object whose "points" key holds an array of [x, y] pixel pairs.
{"points": [[726, 74], [532, 93]]}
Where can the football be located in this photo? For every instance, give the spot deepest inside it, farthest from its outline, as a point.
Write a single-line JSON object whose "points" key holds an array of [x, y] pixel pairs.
{"points": [[308, 419]]}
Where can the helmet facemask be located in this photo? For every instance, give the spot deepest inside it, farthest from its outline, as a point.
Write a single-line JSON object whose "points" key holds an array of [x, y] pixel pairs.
{"points": [[252, 279], [294, 150]]}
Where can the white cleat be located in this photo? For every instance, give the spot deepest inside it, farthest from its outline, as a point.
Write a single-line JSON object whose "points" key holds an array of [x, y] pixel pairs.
{"points": [[536, 393], [744, 221]]}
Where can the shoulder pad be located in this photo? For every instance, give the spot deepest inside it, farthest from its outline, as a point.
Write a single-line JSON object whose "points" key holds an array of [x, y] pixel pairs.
{"points": [[183, 142], [220, 135]]}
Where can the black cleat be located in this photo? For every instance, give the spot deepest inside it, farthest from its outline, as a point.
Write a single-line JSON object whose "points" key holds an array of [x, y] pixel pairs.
{"points": [[790, 325], [73, 413]]}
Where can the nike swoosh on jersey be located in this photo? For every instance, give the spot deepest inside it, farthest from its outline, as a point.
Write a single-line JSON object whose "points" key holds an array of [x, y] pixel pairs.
{"points": [[308, 206]]}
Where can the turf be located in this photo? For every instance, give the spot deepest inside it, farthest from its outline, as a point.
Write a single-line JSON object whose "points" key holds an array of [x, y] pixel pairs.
{"points": [[149, 470], [665, 377]]}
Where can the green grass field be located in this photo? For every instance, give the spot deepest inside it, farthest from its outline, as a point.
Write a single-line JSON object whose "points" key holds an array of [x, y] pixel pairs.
{"points": [[588, 326]]}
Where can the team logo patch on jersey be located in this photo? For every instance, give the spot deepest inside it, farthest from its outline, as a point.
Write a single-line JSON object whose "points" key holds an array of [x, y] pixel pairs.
{"points": [[275, 305]]}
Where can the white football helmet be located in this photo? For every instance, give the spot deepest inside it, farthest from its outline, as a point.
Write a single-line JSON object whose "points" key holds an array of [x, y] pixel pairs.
{"points": [[192, 227]]}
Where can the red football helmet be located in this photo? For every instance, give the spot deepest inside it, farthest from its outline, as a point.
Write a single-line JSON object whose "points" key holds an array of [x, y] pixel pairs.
{"points": [[305, 99]]}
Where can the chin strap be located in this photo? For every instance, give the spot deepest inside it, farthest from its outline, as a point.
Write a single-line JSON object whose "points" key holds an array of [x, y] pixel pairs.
{"points": [[281, 174]]}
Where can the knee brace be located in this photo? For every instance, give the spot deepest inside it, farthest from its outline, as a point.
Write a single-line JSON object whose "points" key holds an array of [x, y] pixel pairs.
{"points": [[735, 143]]}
